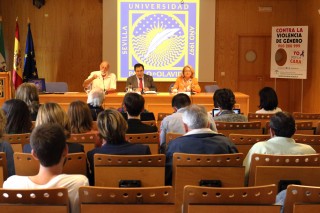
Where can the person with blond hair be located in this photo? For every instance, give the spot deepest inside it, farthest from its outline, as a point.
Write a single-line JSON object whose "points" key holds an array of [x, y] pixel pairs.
{"points": [[53, 113], [80, 117], [112, 128], [186, 82], [28, 92]]}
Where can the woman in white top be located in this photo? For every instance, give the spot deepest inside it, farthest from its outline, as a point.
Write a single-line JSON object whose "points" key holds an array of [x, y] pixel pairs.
{"points": [[268, 101]]}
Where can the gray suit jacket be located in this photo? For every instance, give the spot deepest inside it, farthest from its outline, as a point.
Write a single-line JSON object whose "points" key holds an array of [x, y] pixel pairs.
{"points": [[148, 82]]}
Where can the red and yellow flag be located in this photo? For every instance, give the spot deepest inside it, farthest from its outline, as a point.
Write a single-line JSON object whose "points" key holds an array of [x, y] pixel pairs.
{"points": [[17, 62]]}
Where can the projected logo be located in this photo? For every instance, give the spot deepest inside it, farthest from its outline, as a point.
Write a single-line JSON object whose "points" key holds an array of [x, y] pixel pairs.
{"points": [[161, 35], [158, 40]]}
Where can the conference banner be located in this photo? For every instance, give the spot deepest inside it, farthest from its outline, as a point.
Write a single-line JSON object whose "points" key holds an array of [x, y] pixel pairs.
{"points": [[289, 52], [162, 35]]}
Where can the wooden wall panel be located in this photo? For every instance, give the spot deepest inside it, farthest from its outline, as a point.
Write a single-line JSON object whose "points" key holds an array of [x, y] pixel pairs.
{"points": [[67, 37], [307, 14]]}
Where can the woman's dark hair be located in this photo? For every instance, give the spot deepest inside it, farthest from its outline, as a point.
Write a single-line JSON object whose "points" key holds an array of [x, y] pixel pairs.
{"points": [[18, 117], [224, 98], [268, 99]]}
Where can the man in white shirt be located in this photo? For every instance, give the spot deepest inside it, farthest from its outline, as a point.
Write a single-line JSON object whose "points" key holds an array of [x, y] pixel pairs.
{"points": [[174, 123], [49, 146], [102, 79], [282, 128]]}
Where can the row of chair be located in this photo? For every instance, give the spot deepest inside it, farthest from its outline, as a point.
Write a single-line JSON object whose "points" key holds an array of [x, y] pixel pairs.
{"points": [[224, 170], [243, 141], [299, 199]]}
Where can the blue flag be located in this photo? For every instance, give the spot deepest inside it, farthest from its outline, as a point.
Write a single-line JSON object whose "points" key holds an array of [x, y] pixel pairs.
{"points": [[30, 69]]}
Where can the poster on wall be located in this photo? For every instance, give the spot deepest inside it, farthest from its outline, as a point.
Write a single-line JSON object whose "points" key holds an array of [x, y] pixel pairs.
{"points": [[162, 35], [289, 52]]}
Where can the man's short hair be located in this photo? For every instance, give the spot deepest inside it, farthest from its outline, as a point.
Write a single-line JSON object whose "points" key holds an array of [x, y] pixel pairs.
{"points": [[138, 65], [48, 142], [283, 124], [180, 100], [134, 103], [224, 98], [195, 117]]}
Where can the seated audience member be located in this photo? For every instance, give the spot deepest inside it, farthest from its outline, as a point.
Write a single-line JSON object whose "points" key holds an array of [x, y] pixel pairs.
{"points": [[141, 82], [268, 101], [28, 92], [134, 105], [144, 116], [225, 100], [199, 139], [186, 82], [95, 101], [5, 146], [101, 79], [112, 129], [282, 128], [173, 123], [18, 117], [53, 113], [80, 117], [44, 138]]}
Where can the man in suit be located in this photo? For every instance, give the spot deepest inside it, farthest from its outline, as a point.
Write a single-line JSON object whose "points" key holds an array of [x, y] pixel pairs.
{"points": [[134, 105], [141, 82], [199, 139]]}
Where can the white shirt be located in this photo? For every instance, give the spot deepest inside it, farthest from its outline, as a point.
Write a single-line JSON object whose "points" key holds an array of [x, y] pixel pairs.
{"points": [[108, 82], [263, 111], [71, 182], [174, 123], [277, 146]]}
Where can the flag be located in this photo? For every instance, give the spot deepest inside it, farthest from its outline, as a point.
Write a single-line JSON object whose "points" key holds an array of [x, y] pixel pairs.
{"points": [[3, 65], [30, 69], [17, 67]]}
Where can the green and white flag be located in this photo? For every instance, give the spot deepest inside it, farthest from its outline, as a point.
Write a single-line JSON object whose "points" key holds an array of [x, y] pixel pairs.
{"points": [[3, 65]]}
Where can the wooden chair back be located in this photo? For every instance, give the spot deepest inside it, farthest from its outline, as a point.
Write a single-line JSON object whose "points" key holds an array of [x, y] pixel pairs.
{"points": [[17, 141], [123, 200], [227, 128], [313, 117], [110, 169], [151, 123], [51, 200], [3, 168], [150, 139], [303, 127], [88, 140], [245, 142], [161, 116], [230, 199], [196, 169], [302, 199], [312, 140], [26, 165], [171, 136], [263, 118], [94, 125], [271, 169]]}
